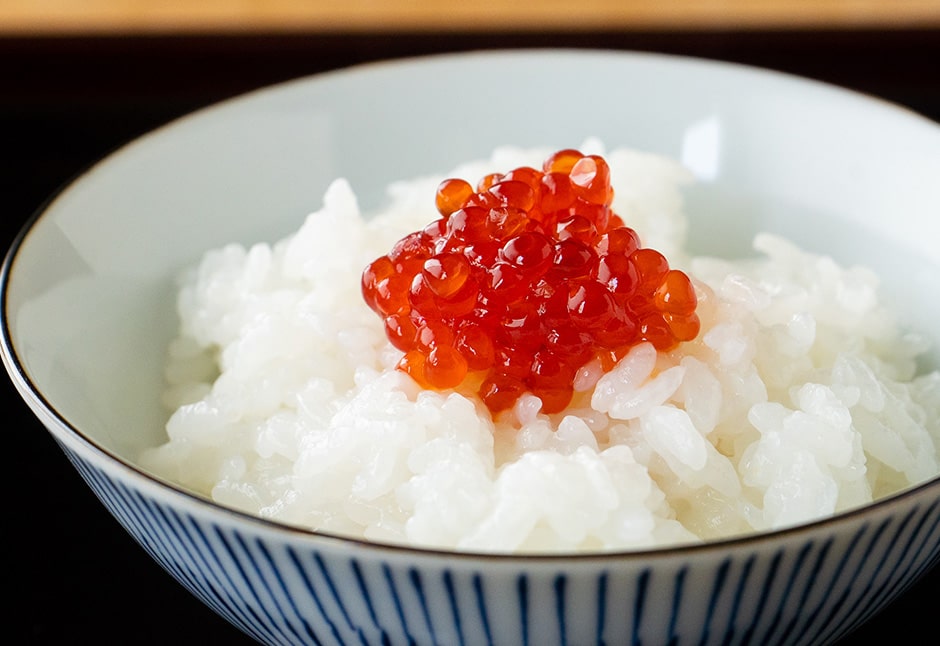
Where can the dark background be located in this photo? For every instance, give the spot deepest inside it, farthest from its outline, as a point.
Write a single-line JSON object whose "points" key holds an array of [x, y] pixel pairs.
{"points": [[74, 575]]}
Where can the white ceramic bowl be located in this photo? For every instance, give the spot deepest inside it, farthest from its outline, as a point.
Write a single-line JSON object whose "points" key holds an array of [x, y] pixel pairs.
{"points": [[88, 309]]}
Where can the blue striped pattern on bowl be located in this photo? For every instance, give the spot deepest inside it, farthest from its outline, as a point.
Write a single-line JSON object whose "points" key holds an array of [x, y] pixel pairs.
{"points": [[808, 586]]}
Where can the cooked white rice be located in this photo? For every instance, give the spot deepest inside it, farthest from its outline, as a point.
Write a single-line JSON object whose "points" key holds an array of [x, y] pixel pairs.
{"points": [[798, 399]]}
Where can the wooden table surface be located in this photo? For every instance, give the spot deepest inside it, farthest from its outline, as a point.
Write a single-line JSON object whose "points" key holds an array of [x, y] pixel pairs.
{"points": [[123, 17]]}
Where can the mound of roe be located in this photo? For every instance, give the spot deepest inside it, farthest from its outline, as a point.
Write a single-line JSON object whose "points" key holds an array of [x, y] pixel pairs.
{"points": [[522, 281]]}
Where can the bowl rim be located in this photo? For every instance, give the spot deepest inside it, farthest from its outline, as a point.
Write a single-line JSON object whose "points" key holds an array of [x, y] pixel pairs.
{"points": [[66, 433]]}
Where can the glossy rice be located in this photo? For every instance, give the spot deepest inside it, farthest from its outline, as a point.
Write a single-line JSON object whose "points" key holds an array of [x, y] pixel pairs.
{"points": [[798, 399]]}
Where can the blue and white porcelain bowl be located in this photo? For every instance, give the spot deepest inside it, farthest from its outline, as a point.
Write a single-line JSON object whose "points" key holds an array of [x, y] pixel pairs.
{"points": [[88, 310]]}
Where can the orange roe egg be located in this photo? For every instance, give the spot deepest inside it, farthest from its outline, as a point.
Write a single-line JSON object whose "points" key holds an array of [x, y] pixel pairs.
{"points": [[562, 161], [476, 346], [675, 295], [445, 367], [451, 194], [401, 331], [514, 193], [591, 179], [500, 391], [446, 273], [557, 193], [524, 279]]}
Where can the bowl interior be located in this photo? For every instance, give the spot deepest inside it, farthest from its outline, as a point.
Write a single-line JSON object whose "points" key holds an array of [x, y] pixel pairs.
{"points": [[89, 301]]}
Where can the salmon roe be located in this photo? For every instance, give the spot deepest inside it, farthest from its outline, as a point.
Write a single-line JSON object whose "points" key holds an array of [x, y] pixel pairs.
{"points": [[524, 279]]}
